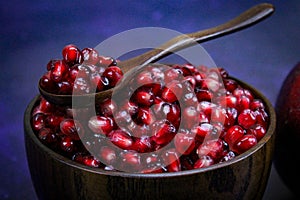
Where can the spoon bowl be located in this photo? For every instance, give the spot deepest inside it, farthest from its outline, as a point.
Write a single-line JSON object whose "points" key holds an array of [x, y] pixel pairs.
{"points": [[244, 20]]}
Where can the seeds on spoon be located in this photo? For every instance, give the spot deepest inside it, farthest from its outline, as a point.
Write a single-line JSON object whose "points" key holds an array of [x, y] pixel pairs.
{"points": [[80, 71]]}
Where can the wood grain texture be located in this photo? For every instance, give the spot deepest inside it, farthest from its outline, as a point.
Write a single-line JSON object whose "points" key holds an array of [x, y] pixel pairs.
{"points": [[57, 177]]}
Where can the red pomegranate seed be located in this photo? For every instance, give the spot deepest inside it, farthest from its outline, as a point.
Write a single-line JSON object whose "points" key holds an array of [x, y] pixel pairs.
{"points": [[184, 143], [203, 95], [79, 71], [53, 120], [228, 156], [58, 71], [230, 84], [142, 144], [107, 108], [47, 135], [65, 87], [91, 161], [247, 118], [171, 160], [101, 125], [90, 56], [257, 104], [67, 144], [113, 74], [48, 84], [107, 155], [243, 102], [258, 131], [244, 143], [38, 121], [233, 134], [144, 78], [121, 139], [262, 117], [172, 91], [212, 148], [145, 116], [163, 132], [130, 161], [202, 130], [72, 55], [81, 86], [72, 128], [189, 117], [144, 98], [171, 74], [203, 161]]}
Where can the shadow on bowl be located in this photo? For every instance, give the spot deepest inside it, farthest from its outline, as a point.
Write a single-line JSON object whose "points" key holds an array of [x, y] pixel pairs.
{"points": [[244, 177]]}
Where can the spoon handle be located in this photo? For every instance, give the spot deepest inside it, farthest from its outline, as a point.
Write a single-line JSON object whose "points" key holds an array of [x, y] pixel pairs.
{"points": [[244, 20]]}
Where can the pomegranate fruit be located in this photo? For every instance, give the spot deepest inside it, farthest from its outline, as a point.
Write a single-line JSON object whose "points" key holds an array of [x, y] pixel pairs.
{"points": [[288, 130], [180, 117]]}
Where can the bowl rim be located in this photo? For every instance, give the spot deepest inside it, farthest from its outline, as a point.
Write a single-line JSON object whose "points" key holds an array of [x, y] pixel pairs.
{"points": [[60, 158]]}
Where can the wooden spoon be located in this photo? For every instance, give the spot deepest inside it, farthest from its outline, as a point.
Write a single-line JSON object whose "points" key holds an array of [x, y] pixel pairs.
{"points": [[244, 20]]}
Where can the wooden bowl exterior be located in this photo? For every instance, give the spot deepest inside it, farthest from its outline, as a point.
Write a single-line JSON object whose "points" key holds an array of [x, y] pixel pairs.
{"points": [[57, 177]]}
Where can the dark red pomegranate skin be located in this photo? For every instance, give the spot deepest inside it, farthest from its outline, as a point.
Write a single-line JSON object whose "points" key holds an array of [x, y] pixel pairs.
{"points": [[287, 143]]}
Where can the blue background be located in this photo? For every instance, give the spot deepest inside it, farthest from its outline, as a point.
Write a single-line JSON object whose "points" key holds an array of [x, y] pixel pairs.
{"points": [[33, 32]]}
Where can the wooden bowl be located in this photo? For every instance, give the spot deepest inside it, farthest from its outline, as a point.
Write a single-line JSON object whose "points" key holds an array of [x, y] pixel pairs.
{"points": [[244, 177]]}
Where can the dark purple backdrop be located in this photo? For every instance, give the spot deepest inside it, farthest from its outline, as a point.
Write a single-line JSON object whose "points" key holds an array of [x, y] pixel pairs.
{"points": [[32, 32]]}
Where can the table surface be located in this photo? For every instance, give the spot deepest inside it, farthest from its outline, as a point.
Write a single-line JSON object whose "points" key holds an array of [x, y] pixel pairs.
{"points": [[34, 32]]}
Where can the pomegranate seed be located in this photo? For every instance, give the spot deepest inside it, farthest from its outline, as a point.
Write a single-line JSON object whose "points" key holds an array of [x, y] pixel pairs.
{"points": [[189, 117], [53, 120], [48, 84], [108, 155], [203, 161], [72, 128], [47, 135], [142, 144], [171, 160], [72, 55], [121, 139], [90, 161], [145, 116], [144, 98], [163, 131], [90, 56], [244, 143], [202, 130], [247, 118], [113, 74], [212, 148], [101, 124], [233, 134], [67, 144], [58, 71], [107, 108], [230, 85], [203, 95], [79, 71], [144, 78], [184, 143], [38, 121], [257, 104], [172, 91], [130, 161], [228, 156], [258, 131]]}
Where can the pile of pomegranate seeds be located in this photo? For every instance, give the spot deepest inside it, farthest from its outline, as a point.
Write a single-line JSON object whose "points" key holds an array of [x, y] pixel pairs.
{"points": [[173, 118], [80, 71]]}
